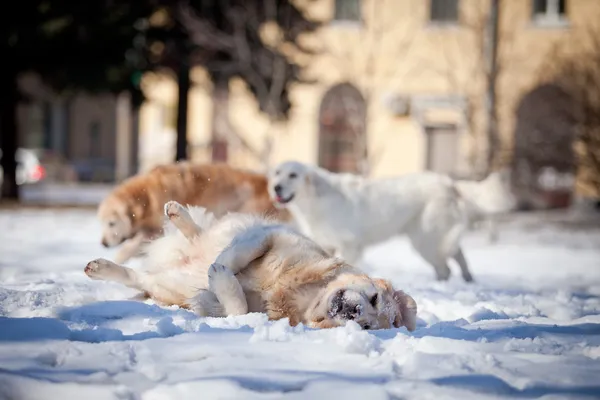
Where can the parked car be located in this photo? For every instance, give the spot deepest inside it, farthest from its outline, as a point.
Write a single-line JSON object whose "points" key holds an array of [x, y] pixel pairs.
{"points": [[29, 167]]}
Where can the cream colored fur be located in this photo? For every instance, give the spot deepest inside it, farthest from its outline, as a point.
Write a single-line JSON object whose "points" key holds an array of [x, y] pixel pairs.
{"points": [[241, 263]]}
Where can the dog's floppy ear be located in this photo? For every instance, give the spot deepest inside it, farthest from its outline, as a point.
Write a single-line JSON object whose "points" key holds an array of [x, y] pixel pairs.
{"points": [[318, 185], [137, 207], [408, 311]]}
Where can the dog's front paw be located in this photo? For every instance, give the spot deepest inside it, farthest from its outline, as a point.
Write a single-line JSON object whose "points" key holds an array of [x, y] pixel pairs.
{"points": [[219, 278], [218, 269], [96, 269], [173, 209]]}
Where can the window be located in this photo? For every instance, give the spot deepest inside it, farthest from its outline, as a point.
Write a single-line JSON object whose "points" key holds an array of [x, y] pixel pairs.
{"points": [[347, 10], [444, 11], [549, 12]]}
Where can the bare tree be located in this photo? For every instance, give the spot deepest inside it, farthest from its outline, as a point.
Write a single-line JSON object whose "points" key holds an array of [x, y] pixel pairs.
{"points": [[578, 74], [479, 59], [250, 50]]}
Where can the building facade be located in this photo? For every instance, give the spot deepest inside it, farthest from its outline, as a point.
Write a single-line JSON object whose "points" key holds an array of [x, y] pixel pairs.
{"points": [[401, 86], [81, 137]]}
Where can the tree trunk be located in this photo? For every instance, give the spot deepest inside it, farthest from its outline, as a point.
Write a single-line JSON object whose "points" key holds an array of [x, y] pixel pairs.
{"points": [[9, 99], [135, 139], [183, 82], [491, 55], [220, 121], [123, 129]]}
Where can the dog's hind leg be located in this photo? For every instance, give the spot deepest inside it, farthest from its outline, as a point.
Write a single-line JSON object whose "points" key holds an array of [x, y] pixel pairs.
{"points": [[464, 267], [105, 270], [182, 219], [492, 226], [442, 271], [429, 250], [226, 287], [244, 249]]}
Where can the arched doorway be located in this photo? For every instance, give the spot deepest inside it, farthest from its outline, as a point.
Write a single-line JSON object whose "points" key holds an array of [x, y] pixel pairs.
{"points": [[342, 129], [543, 148]]}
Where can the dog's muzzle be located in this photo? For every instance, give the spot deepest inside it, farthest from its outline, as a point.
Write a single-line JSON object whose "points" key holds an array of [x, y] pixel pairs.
{"points": [[340, 307], [278, 189]]}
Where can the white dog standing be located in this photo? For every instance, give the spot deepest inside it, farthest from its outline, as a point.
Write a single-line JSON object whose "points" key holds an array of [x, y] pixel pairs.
{"points": [[346, 213]]}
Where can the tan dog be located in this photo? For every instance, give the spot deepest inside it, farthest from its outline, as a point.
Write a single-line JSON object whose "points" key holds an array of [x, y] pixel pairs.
{"points": [[242, 263], [133, 212]]}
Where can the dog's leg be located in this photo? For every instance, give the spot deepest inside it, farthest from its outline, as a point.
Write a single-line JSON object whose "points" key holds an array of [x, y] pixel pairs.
{"points": [[439, 264], [244, 249], [464, 267], [223, 283], [442, 271], [182, 219], [429, 250], [105, 270], [130, 248], [492, 225]]}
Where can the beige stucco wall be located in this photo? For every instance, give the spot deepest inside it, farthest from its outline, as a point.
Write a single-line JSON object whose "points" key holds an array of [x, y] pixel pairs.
{"points": [[396, 51]]}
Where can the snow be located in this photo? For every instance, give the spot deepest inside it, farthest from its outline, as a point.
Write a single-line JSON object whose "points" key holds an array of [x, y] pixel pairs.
{"points": [[529, 327]]}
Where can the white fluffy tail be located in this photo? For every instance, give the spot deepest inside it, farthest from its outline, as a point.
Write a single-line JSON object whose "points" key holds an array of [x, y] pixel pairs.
{"points": [[489, 196]]}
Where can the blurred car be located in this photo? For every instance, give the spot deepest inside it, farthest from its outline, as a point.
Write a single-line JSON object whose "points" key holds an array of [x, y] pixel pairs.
{"points": [[29, 167]]}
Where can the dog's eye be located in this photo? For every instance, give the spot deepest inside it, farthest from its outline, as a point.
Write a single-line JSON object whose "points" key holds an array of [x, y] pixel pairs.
{"points": [[111, 224], [276, 172], [374, 299], [293, 175]]}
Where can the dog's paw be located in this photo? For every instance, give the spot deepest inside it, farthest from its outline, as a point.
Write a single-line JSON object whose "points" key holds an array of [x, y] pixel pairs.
{"points": [[206, 304], [215, 270], [220, 278], [98, 268], [223, 283], [173, 209]]}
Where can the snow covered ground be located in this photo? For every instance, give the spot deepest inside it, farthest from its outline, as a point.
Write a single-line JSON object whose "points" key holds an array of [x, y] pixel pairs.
{"points": [[529, 327]]}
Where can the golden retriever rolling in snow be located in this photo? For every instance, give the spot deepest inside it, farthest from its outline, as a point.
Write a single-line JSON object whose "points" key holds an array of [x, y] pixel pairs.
{"points": [[242, 263]]}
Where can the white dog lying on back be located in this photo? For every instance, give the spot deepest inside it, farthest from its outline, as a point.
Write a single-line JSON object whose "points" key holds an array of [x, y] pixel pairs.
{"points": [[345, 213], [242, 263]]}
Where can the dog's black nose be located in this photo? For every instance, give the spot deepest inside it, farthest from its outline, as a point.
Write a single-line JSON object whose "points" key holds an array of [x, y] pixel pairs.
{"points": [[104, 243], [350, 311], [278, 189]]}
